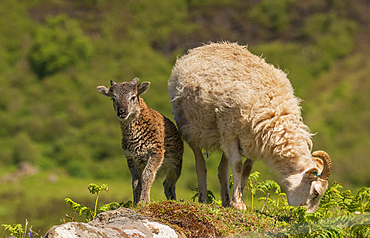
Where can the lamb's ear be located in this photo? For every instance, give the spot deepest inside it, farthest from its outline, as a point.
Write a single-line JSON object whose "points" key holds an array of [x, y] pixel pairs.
{"points": [[142, 88], [311, 173], [134, 81], [104, 91]]}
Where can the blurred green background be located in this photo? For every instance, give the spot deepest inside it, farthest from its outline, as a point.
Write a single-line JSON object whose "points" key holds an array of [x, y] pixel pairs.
{"points": [[53, 54]]}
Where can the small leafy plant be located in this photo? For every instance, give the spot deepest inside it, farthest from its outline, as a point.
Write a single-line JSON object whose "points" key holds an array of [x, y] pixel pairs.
{"points": [[265, 186], [211, 198], [89, 213], [17, 230]]}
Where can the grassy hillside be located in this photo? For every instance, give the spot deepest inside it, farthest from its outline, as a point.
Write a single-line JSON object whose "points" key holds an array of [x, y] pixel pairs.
{"points": [[53, 54]]}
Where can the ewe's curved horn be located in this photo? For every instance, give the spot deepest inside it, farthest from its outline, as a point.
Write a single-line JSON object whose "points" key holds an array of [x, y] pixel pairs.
{"points": [[327, 163]]}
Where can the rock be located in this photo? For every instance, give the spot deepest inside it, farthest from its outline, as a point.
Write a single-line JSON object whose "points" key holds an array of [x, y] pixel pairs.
{"points": [[122, 222], [25, 168]]}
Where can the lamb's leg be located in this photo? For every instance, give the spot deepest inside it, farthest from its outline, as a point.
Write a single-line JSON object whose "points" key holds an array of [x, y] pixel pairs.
{"points": [[247, 168], [201, 173], [223, 176], [170, 181], [148, 175], [136, 182], [236, 163]]}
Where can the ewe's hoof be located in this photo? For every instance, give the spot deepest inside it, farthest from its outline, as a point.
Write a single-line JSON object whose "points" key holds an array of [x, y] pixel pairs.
{"points": [[240, 205]]}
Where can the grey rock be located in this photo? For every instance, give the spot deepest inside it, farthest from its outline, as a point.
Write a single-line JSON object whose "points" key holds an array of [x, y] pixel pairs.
{"points": [[25, 168], [122, 222]]}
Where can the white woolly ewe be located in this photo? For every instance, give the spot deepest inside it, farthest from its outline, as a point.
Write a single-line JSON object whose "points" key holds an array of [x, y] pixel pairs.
{"points": [[225, 98]]}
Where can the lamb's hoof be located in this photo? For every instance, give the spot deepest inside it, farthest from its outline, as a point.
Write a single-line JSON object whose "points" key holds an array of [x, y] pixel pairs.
{"points": [[239, 205]]}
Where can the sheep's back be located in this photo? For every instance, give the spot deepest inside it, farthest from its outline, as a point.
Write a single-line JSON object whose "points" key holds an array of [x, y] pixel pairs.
{"points": [[223, 87]]}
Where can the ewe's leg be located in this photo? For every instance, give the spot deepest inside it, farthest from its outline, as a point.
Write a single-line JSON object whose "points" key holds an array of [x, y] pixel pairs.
{"points": [[171, 179], [201, 173], [148, 175], [236, 163], [169, 186], [223, 176], [136, 181], [247, 168]]}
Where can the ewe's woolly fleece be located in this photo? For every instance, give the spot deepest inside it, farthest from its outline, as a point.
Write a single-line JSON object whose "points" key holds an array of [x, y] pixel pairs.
{"points": [[221, 92]]}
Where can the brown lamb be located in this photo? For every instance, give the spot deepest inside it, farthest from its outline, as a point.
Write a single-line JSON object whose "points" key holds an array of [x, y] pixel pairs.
{"points": [[151, 142]]}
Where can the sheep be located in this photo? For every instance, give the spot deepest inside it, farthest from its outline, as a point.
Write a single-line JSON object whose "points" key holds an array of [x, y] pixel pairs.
{"points": [[226, 99], [151, 143]]}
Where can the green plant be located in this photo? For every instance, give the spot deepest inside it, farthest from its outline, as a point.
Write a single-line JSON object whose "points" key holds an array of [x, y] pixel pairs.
{"points": [[15, 230], [332, 38], [272, 14], [90, 215], [265, 186], [211, 198], [341, 214], [276, 204], [18, 231], [58, 45], [253, 186]]}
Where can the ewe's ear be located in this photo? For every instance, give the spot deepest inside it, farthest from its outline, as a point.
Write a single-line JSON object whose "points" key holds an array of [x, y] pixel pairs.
{"points": [[312, 173], [142, 88], [104, 91]]}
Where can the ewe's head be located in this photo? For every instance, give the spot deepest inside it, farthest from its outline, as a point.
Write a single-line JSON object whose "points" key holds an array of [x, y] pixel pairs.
{"points": [[307, 188], [125, 97]]}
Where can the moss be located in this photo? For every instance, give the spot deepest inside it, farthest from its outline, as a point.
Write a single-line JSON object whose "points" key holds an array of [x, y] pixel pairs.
{"points": [[207, 220]]}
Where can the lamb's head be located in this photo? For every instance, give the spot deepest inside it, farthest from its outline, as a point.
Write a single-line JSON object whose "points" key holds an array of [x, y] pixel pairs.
{"points": [[125, 97], [307, 188]]}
